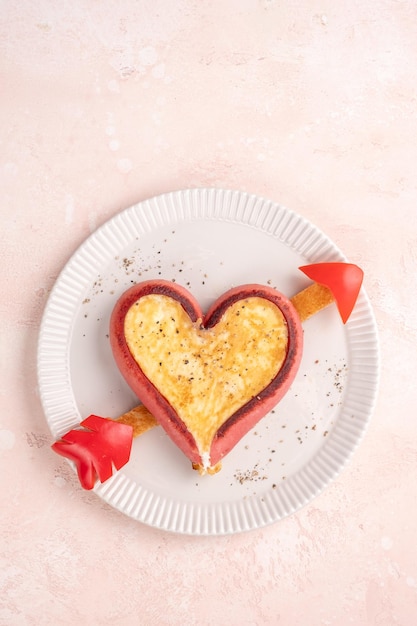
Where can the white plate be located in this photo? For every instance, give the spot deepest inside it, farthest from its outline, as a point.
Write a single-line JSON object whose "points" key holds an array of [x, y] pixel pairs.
{"points": [[210, 240]]}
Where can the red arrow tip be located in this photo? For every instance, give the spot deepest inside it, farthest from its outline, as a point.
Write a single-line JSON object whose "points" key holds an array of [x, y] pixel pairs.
{"points": [[343, 279]]}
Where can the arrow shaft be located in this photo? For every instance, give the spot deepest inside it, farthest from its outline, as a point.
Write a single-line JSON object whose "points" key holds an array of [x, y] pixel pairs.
{"points": [[311, 300], [139, 418]]}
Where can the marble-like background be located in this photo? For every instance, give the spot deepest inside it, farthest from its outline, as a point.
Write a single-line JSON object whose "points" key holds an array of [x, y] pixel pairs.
{"points": [[310, 103]]}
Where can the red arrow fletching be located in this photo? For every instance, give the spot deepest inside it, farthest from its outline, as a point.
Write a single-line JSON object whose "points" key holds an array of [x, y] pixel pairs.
{"points": [[102, 444], [343, 279]]}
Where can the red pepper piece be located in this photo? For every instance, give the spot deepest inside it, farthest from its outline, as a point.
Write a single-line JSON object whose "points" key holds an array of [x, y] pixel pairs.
{"points": [[95, 450], [343, 279]]}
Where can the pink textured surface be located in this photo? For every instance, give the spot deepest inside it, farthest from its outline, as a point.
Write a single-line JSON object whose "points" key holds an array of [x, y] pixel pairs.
{"points": [[311, 104]]}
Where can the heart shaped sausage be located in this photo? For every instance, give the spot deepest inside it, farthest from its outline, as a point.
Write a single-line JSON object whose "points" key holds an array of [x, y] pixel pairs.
{"points": [[207, 379]]}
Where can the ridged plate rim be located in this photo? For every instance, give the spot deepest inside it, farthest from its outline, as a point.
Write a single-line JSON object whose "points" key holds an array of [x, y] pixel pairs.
{"points": [[289, 229]]}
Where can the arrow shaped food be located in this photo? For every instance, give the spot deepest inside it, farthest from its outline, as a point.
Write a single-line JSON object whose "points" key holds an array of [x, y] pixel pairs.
{"points": [[208, 379]]}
